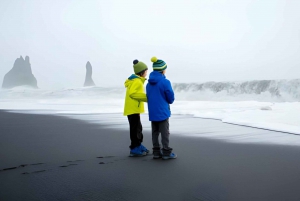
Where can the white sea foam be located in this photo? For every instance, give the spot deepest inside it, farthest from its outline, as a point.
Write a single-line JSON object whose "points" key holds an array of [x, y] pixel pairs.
{"points": [[246, 109]]}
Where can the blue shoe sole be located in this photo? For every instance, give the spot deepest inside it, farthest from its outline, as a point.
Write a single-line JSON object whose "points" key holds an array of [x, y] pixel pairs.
{"points": [[168, 157]]}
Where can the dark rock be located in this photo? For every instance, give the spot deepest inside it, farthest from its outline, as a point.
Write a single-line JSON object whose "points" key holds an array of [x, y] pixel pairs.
{"points": [[20, 75], [88, 77]]}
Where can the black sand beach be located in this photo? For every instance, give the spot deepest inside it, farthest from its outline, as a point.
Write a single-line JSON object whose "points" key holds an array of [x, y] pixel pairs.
{"points": [[44, 157]]}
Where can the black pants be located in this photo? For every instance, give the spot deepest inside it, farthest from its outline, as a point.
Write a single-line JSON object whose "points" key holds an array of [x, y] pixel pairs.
{"points": [[135, 127]]}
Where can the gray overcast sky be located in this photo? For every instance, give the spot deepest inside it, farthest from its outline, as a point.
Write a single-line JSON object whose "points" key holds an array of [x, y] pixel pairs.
{"points": [[200, 40]]}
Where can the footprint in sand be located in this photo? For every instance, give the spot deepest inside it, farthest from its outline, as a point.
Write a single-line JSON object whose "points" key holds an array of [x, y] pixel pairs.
{"points": [[74, 161], [38, 171], [106, 157], [20, 166], [67, 165], [11, 168], [37, 164]]}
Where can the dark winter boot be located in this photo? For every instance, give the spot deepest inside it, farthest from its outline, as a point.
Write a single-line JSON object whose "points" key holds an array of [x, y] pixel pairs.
{"points": [[157, 153]]}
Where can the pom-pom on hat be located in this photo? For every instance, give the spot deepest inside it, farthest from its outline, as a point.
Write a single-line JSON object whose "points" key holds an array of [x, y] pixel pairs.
{"points": [[158, 64], [139, 66]]}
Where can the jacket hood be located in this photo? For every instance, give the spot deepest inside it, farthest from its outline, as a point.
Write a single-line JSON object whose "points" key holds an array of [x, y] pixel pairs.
{"points": [[155, 77], [133, 76], [129, 81]]}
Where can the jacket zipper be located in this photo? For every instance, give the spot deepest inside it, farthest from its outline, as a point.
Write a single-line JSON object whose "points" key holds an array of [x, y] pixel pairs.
{"points": [[139, 104]]}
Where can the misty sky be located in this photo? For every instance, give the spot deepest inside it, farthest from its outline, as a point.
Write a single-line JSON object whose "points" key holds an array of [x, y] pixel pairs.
{"points": [[200, 40]]}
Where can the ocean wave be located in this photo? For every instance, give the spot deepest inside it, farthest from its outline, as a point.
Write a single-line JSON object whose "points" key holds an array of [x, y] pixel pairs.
{"points": [[259, 90]]}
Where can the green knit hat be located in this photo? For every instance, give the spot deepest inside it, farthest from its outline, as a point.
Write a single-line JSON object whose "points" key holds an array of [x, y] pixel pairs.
{"points": [[158, 65], [139, 66]]}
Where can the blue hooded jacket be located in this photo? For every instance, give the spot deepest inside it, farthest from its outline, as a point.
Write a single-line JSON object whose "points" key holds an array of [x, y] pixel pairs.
{"points": [[159, 94]]}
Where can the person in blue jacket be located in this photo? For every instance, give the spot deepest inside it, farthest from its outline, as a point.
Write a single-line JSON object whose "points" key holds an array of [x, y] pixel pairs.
{"points": [[160, 95]]}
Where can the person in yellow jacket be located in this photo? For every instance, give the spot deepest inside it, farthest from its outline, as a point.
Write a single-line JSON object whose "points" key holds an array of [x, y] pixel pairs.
{"points": [[134, 106]]}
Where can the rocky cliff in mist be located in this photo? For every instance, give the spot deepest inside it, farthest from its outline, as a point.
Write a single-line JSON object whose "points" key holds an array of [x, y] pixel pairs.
{"points": [[20, 75], [88, 77]]}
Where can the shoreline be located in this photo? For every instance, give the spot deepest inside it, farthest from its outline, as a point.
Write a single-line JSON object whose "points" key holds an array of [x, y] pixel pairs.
{"points": [[68, 159], [181, 125]]}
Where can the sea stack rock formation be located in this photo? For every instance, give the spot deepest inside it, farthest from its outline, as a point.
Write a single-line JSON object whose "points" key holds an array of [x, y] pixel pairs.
{"points": [[20, 75], [88, 77]]}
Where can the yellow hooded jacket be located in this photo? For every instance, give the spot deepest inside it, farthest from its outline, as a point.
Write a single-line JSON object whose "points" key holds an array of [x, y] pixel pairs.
{"points": [[135, 95]]}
